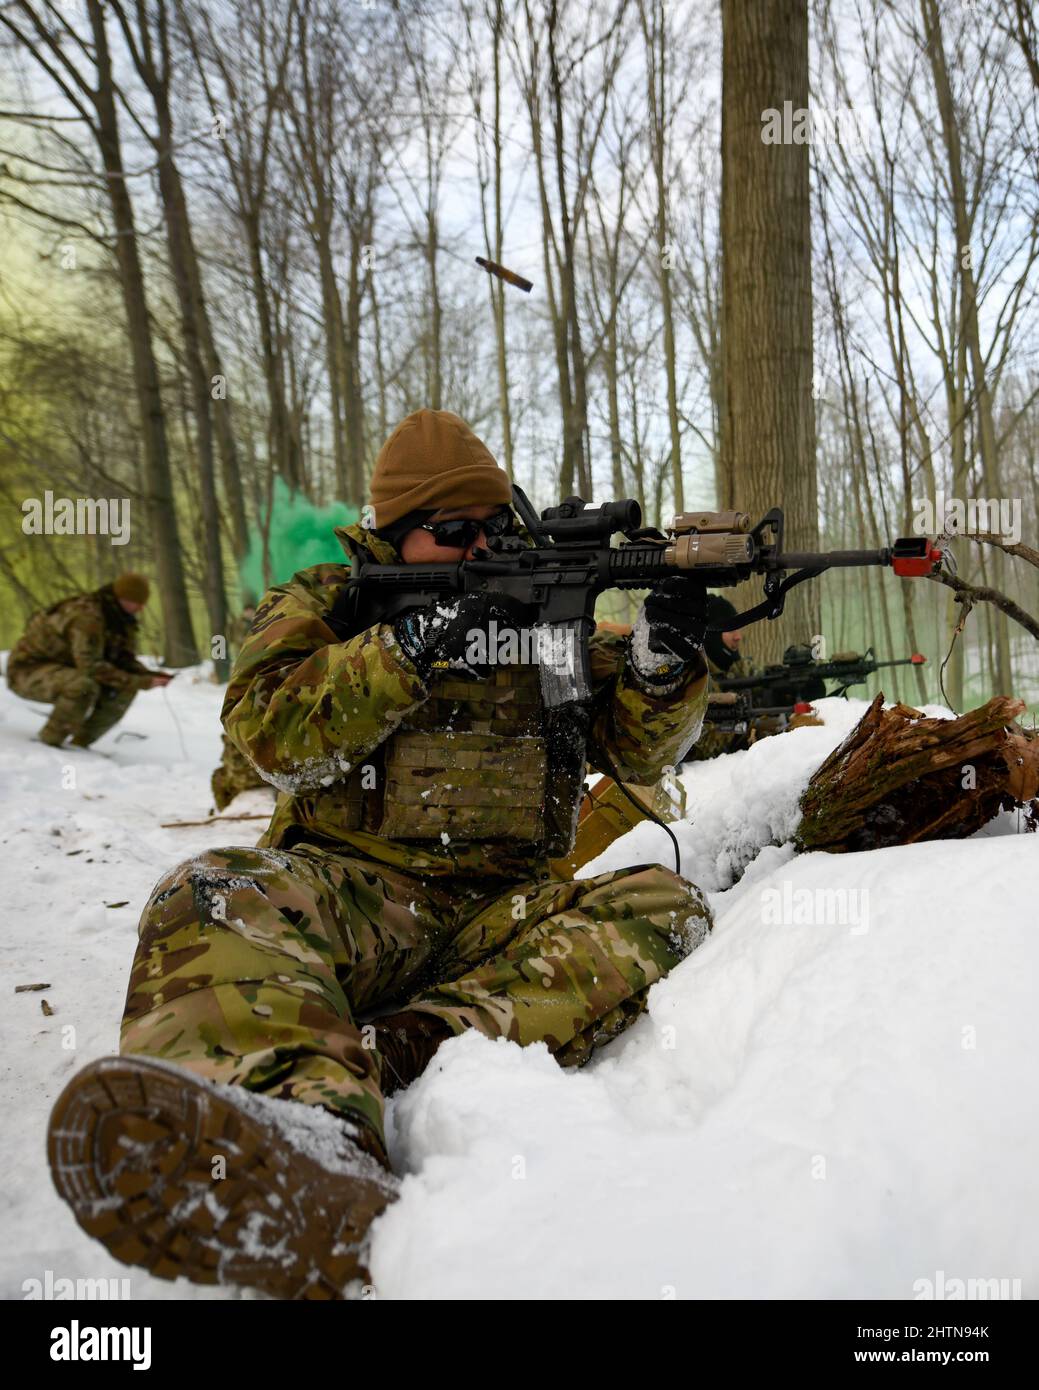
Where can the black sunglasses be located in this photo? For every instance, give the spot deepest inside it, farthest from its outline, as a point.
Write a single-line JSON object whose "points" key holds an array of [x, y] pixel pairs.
{"points": [[460, 532]]}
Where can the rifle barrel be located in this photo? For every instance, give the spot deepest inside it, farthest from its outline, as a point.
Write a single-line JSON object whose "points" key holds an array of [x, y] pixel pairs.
{"points": [[817, 670], [830, 559], [748, 682]]}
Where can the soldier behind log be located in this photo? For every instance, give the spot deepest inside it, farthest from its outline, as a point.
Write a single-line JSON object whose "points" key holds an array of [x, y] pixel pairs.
{"points": [[79, 656], [725, 658], [401, 895], [723, 651]]}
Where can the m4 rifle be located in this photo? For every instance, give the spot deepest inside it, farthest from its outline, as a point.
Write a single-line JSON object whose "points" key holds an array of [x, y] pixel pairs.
{"points": [[799, 677], [568, 559]]}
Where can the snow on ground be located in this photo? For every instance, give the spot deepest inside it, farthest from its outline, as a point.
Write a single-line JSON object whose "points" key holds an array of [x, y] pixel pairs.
{"points": [[832, 1097]]}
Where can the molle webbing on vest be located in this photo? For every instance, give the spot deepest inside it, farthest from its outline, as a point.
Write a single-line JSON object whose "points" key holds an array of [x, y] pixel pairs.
{"points": [[509, 703], [470, 763], [469, 786]]}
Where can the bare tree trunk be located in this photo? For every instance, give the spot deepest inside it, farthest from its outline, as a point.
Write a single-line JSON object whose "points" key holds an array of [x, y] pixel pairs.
{"points": [[769, 423], [247, 153], [353, 392], [227, 444], [956, 406], [213, 574], [489, 173], [332, 320], [654, 32], [575, 417], [380, 360], [314, 126], [982, 393], [498, 286], [180, 641], [557, 315], [638, 466], [436, 313], [609, 356], [279, 433], [151, 55], [588, 115]]}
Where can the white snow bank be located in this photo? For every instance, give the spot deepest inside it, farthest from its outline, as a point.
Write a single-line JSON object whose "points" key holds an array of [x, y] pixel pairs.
{"points": [[741, 801], [806, 1110]]}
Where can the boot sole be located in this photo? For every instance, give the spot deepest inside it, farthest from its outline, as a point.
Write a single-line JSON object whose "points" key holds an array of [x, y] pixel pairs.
{"points": [[184, 1178]]}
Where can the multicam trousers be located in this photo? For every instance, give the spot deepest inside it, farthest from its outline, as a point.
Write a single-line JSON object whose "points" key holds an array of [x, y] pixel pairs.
{"points": [[261, 967], [83, 708], [235, 774]]}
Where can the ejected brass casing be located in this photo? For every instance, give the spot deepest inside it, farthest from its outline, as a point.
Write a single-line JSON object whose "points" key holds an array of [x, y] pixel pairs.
{"points": [[710, 522], [689, 552]]}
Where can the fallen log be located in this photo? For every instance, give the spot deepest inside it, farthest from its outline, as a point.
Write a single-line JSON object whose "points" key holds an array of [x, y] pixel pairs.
{"points": [[901, 777]]}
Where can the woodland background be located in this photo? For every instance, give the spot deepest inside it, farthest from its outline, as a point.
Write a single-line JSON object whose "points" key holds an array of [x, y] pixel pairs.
{"points": [[238, 246]]}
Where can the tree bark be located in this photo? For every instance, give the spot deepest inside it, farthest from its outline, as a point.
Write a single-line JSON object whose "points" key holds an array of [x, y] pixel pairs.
{"points": [[180, 640], [971, 330], [150, 52], [654, 32], [575, 407], [769, 421], [353, 393], [498, 286], [899, 778]]}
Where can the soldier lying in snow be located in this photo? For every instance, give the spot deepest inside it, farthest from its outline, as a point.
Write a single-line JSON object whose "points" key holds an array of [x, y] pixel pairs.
{"points": [[79, 656], [401, 895]]}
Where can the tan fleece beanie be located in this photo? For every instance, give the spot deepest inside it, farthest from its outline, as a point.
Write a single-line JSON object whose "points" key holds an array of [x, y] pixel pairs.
{"points": [[132, 587], [433, 460]]}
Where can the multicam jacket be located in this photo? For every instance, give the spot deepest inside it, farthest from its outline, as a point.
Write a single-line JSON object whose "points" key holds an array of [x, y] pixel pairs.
{"points": [[464, 777], [89, 631]]}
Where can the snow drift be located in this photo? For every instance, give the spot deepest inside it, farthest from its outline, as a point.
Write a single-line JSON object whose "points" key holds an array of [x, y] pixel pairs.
{"points": [[831, 1098]]}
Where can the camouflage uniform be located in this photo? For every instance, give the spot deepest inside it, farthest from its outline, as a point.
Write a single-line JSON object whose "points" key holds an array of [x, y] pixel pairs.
{"points": [[261, 966], [79, 656], [235, 773]]}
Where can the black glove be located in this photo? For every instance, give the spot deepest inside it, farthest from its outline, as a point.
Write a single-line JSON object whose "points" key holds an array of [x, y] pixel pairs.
{"points": [[676, 611], [452, 634]]}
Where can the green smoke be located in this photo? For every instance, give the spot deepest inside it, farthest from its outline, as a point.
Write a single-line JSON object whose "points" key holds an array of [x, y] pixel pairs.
{"points": [[300, 535]]}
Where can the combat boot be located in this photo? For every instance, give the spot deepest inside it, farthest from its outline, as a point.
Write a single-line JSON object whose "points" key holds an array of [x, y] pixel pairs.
{"points": [[53, 737], [406, 1042], [185, 1177]]}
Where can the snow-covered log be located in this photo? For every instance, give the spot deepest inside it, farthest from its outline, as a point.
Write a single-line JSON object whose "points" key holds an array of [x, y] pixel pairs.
{"points": [[900, 777]]}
